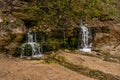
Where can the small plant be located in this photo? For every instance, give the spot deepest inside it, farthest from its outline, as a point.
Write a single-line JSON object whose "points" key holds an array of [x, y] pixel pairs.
{"points": [[8, 28], [28, 50], [17, 23], [17, 51], [5, 21]]}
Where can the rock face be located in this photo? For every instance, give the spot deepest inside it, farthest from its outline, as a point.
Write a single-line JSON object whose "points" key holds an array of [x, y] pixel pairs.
{"points": [[10, 6], [13, 16], [11, 30], [103, 38], [108, 42]]}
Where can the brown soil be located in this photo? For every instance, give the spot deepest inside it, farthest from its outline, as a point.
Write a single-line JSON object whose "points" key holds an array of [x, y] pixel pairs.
{"points": [[93, 63], [16, 69]]}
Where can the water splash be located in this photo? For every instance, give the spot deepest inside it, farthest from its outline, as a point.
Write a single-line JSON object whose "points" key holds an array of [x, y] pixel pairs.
{"points": [[85, 39], [36, 50]]}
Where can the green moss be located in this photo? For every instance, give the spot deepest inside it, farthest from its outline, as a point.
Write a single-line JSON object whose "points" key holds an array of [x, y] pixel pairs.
{"points": [[50, 45], [28, 50], [21, 15], [8, 28], [18, 23], [12, 37], [17, 51], [5, 21]]}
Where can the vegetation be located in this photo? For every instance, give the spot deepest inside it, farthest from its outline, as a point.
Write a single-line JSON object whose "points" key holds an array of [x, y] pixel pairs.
{"points": [[5, 21], [66, 13], [57, 20]]}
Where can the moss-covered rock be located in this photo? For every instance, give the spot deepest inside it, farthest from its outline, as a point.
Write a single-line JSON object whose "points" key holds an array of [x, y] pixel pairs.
{"points": [[11, 32]]}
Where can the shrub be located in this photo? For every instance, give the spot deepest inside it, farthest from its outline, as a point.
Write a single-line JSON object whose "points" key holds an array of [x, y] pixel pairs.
{"points": [[5, 21]]}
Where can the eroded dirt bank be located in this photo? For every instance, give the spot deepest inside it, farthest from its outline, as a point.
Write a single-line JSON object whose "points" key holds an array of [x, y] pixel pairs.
{"points": [[16, 69]]}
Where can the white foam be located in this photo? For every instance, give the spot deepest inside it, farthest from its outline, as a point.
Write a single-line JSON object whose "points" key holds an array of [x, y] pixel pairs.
{"points": [[86, 38], [36, 49], [37, 56], [85, 49]]}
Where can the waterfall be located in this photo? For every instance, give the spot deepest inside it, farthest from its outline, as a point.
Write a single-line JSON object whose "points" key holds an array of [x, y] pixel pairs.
{"points": [[85, 39], [36, 50]]}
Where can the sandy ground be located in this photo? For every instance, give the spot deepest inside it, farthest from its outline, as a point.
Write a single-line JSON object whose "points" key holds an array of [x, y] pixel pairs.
{"points": [[16, 69], [94, 63]]}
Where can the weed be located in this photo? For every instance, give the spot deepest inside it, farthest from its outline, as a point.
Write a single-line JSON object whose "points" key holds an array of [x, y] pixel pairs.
{"points": [[5, 21]]}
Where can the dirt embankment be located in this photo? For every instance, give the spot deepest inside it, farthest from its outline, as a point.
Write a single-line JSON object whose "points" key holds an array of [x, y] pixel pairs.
{"points": [[16, 69], [93, 63]]}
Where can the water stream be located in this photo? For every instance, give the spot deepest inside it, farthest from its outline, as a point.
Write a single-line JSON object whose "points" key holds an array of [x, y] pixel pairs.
{"points": [[85, 39], [36, 50]]}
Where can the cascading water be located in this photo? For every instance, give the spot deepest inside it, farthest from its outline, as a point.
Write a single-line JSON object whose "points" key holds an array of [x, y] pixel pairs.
{"points": [[85, 39], [36, 50]]}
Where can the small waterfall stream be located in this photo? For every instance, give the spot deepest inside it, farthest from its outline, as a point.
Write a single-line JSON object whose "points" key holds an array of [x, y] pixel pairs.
{"points": [[36, 50], [85, 39]]}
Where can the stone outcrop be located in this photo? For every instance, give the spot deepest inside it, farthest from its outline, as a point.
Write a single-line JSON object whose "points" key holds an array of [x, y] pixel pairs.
{"points": [[11, 28], [13, 16], [10, 33]]}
